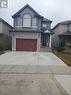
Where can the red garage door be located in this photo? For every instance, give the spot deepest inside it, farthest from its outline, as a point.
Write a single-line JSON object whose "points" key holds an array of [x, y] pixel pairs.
{"points": [[26, 44]]}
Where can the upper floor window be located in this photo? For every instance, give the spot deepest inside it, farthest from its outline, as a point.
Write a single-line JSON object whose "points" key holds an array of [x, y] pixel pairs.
{"points": [[27, 20], [44, 25], [34, 23]]}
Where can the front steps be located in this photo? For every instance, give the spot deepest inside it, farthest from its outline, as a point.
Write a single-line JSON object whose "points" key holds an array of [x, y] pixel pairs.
{"points": [[45, 49]]}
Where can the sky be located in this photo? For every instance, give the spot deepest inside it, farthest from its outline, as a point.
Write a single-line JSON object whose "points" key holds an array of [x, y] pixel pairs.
{"points": [[55, 10]]}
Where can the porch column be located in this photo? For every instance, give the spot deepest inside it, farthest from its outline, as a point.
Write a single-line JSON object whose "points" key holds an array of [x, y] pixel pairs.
{"points": [[50, 41]]}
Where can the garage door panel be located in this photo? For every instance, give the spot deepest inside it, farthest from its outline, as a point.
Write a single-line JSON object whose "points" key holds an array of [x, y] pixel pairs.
{"points": [[26, 44]]}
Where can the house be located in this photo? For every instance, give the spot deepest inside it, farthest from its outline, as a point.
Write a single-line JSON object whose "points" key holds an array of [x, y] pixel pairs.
{"points": [[62, 33], [5, 38], [31, 31]]}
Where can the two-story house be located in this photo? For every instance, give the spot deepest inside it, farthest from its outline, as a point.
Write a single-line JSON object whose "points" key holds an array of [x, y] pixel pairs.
{"points": [[5, 38], [62, 34], [31, 30]]}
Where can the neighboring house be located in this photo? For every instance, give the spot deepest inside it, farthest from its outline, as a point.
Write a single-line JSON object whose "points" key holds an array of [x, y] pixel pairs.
{"points": [[5, 38], [31, 30], [62, 33]]}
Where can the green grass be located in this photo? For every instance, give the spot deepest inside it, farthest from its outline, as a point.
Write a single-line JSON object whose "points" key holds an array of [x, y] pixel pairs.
{"points": [[64, 56]]}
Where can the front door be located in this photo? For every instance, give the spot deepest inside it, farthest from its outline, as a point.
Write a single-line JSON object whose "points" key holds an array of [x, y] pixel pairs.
{"points": [[43, 39]]}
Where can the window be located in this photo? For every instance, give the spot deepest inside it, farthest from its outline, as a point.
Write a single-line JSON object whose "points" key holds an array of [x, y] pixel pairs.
{"points": [[26, 20], [34, 23], [3, 3], [44, 25]]}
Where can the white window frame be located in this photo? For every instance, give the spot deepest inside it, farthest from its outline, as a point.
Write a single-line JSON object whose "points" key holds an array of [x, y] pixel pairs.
{"points": [[34, 22], [44, 25], [27, 20]]}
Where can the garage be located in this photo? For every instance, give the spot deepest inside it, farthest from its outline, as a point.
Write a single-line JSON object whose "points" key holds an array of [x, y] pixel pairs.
{"points": [[26, 45]]}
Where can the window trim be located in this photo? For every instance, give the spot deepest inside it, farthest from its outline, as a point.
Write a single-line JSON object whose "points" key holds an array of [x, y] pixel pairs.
{"points": [[36, 21], [22, 21], [43, 25]]}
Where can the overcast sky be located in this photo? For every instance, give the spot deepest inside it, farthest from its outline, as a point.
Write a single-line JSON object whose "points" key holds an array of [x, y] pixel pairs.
{"points": [[55, 10]]}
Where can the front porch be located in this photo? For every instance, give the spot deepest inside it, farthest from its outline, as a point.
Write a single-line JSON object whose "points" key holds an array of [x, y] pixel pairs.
{"points": [[46, 40], [45, 49]]}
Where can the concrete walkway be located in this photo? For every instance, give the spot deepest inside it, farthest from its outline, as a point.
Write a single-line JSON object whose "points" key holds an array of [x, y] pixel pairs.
{"points": [[65, 82], [19, 80], [33, 74]]}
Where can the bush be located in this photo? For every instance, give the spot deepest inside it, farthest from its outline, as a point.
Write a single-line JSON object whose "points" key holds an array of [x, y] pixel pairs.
{"points": [[4, 47], [60, 49], [1, 48]]}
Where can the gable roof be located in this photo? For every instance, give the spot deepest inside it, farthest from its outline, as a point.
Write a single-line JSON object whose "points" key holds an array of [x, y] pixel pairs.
{"points": [[62, 23], [66, 33], [43, 19], [66, 22], [1, 20], [46, 20], [48, 31], [17, 13]]}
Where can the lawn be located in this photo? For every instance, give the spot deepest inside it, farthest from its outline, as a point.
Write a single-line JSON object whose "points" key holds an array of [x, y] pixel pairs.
{"points": [[64, 56]]}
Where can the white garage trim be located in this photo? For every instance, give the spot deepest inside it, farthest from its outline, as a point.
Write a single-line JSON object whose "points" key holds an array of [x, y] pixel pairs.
{"points": [[25, 35]]}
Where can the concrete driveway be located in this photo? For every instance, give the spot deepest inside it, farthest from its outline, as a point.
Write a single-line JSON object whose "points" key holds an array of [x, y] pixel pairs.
{"points": [[33, 73], [29, 84], [30, 58], [31, 62]]}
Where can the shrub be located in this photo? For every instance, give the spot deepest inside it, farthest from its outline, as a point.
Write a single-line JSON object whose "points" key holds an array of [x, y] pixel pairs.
{"points": [[60, 47], [1, 48]]}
